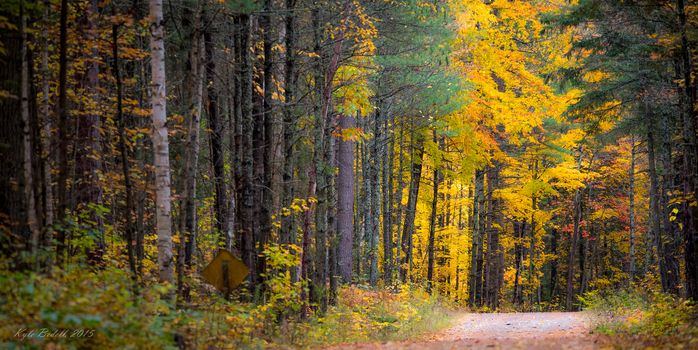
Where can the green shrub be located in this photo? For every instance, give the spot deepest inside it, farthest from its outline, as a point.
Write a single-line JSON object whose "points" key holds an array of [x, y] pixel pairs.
{"points": [[94, 310], [643, 317]]}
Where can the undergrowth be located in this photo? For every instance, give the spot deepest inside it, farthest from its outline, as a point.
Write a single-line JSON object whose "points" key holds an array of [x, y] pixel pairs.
{"points": [[114, 316], [639, 318]]}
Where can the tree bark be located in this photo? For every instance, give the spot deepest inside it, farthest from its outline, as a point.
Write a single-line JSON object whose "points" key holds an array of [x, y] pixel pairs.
{"points": [[432, 225], [476, 253], [62, 154], [88, 159], [631, 212], [27, 159], [413, 193], [655, 205], [130, 229], [345, 199], [492, 267], [160, 142], [217, 154], [690, 150], [577, 218]]}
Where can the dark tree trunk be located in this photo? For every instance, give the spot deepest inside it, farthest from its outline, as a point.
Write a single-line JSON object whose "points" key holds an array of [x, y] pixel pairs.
{"points": [[476, 253], [130, 229], [247, 207], [62, 154], [690, 150], [345, 200], [655, 202], [87, 162], [574, 241], [413, 193], [432, 225], [289, 125], [493, 247], [12, 199], [519, 229], [387, 157], [217, 155]]}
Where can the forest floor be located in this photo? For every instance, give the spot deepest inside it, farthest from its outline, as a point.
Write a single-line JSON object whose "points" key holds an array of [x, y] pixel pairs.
{"points": [[546, 331]]}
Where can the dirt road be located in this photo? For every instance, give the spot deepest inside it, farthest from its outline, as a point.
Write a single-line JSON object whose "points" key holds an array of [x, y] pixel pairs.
{"points": [[546, 331]]}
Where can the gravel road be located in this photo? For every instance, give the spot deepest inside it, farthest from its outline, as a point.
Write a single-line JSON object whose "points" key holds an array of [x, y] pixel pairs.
{"points": [[546, 331]]}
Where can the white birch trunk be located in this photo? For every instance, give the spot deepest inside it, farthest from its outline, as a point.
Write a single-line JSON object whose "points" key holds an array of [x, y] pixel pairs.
{"points": [[160, 142]]}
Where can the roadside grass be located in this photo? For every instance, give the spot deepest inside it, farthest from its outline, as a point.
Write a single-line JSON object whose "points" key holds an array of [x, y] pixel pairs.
{"points": [[364, 315], [638, 318]]}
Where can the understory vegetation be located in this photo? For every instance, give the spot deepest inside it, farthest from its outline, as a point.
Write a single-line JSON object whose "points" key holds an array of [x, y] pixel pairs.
{"points": [[641, 317], [104, 303]]}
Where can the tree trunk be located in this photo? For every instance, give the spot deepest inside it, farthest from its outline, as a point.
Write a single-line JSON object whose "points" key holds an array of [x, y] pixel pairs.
{"points": [[690, 150], [476, 252], [247, 208], [87, 162], [123, 152], [413, 193], [345, 199], [432, 225], [289, 125], [374, 200], [217, 153], [493, 247], [670, 233], [46, 134], [160, 142], [519, 229], [62, 153], [655, 205], [32, 220], [577, 218], [631, 212], [191, 152], [388, 156]]}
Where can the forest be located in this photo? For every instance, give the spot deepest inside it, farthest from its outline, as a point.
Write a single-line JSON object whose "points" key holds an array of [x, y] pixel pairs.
{"points": [[372, 169]]}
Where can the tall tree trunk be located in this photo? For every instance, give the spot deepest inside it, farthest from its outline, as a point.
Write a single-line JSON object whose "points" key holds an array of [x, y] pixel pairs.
{"points": [[46, 134], [388, 155], [476, 257], [655, 205], [432, 225], [247, 208], [519, 229], [87, 162], [269, 142], [62, 153], [161, 146], [493, 247], [670, 233], [413, 194], [631, 211], [289, 125], [130, 229], [398, 198], [690, 150], [345, 199], [576, 218], [32, 220], [217, 155], [191, 152], [374, 200]]}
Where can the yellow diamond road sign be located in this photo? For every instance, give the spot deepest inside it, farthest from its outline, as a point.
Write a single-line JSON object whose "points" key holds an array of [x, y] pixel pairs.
{"points": [[225, 272]]}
